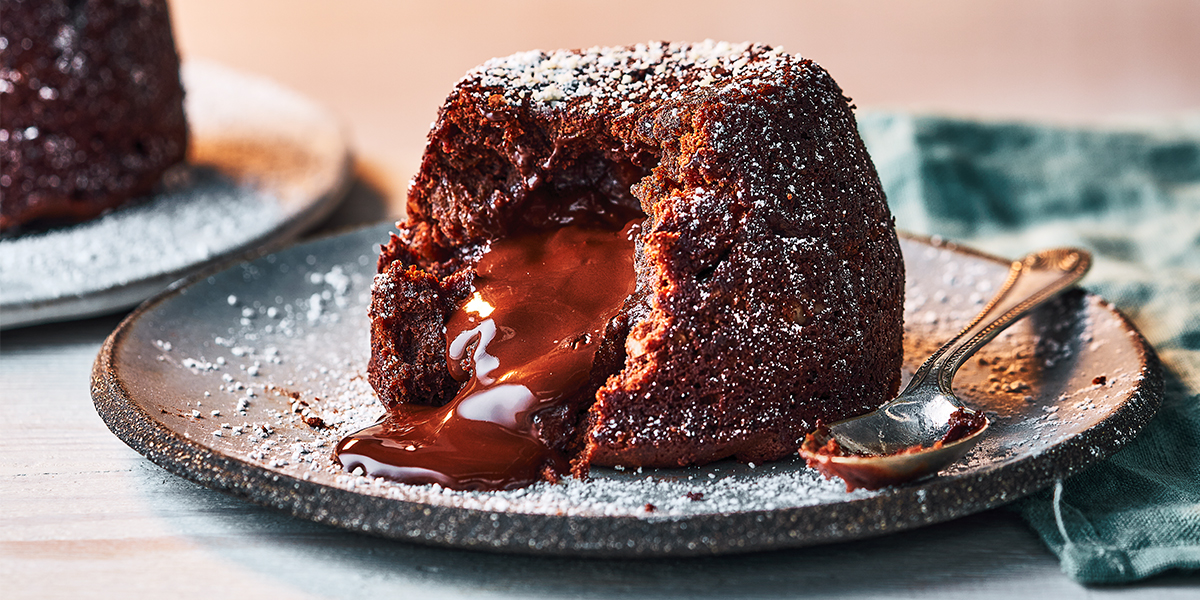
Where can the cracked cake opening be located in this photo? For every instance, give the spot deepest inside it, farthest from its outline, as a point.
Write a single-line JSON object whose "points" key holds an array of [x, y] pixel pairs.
{"points": [[538, 335]]}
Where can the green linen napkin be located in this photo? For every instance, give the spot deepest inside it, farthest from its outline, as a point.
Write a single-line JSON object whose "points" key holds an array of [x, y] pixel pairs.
{"points": [[1131, 195]]}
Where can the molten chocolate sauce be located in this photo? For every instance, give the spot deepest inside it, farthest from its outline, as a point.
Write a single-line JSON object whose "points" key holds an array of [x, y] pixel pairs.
{"points": [[523, 342]]}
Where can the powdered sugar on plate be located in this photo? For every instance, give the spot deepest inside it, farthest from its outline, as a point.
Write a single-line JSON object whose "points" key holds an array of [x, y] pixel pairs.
{"points": [[244, 381], [271, 370], [197, 219], [283, 369]]}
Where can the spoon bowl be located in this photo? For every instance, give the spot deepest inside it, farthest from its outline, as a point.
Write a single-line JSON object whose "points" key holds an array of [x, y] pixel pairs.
{"points": [[927, 428], [877, 471]]}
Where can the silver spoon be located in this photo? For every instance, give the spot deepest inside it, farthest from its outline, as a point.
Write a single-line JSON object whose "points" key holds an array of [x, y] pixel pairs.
{"points": [[912, 435]]}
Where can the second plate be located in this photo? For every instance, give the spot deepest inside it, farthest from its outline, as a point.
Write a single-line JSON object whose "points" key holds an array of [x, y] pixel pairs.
{"points": [[264, 165]]}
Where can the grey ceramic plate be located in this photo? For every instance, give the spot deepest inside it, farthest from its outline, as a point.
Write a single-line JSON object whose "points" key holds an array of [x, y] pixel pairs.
{"points": [[244, 379], [264, 165]]}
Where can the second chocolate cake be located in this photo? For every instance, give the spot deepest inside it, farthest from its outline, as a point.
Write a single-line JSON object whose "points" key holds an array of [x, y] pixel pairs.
{"points": [[767, 283], [91, 108]]}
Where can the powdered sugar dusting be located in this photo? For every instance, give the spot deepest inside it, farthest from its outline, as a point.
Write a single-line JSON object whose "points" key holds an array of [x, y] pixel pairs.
{"points": [[625, 75]]}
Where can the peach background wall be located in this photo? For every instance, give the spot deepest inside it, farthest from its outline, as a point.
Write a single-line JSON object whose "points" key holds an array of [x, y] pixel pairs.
{"points": [[384, 66]]}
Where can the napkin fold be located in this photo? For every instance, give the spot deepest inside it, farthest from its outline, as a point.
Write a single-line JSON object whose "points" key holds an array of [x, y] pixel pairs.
{"points": [[1131, 195]]}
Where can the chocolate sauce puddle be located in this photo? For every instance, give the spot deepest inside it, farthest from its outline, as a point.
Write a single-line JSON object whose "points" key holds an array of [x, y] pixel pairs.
{"points": [[524, 341]]}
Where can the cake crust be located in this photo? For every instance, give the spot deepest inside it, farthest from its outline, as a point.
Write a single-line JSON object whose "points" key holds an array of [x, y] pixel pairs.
{"points": [[769, 277]]}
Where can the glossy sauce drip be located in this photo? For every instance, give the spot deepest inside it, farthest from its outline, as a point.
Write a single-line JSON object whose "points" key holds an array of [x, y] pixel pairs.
{"points": [[524, 341]]}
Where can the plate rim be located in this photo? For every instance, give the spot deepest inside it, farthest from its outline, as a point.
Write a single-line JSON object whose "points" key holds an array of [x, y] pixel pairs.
{"points": [[934, 501], [74, 306]]}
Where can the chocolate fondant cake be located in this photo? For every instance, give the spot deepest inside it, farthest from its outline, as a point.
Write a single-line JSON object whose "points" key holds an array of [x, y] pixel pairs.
{"points": [[91, 106], [768, 282]]}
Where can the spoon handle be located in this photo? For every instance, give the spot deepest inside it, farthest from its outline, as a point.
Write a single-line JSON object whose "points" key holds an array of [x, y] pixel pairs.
{"points": [[1031, 281]]}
